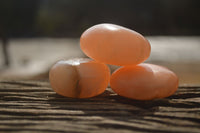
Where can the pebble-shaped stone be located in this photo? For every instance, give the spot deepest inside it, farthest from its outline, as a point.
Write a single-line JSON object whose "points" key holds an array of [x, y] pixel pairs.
{"points": [[115, 45], [144, 82], [79, 78]]}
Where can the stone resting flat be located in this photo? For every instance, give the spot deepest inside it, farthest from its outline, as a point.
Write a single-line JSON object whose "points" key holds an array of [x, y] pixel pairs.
{"points": [[32, 106]]}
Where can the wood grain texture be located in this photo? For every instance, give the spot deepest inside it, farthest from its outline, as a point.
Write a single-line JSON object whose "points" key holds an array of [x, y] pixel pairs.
{"points": [[32, 106]]}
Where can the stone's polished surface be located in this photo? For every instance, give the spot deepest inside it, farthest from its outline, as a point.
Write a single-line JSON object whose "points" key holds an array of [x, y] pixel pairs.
{"points": [[115, 45], [79, 78], [144, 82]]}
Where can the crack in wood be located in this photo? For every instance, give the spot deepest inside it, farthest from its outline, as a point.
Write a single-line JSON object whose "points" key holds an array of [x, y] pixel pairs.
{"points": [[32, 106]]}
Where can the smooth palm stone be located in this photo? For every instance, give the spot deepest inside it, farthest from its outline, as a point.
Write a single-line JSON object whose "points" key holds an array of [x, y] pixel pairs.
{"points": [[79, 78], [144, 82], [115, 45]]}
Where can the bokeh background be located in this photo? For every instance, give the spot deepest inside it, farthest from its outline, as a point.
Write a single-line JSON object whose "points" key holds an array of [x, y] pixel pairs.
{"points": [[36, 33]]}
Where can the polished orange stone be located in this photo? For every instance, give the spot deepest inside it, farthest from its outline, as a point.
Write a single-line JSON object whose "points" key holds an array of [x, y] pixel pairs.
{"points": [[79, 78], [144, 82], [113, 44]]}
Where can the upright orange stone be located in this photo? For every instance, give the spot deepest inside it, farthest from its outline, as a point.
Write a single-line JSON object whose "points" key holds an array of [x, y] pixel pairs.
{"points": [[79, 78], [144, 82], [116, 45]]}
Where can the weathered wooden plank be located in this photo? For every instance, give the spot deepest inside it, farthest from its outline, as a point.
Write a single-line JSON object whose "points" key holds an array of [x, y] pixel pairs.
{"points": [[32, 106]]}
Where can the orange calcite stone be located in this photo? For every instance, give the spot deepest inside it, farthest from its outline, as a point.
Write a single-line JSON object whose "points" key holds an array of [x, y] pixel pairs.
{"points": [[79, 78], [116, 45], [144, 82]]}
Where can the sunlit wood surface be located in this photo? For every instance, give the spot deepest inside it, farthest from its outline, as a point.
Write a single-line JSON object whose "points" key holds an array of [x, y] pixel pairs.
{"points": [[32, 106], [32, 58]]}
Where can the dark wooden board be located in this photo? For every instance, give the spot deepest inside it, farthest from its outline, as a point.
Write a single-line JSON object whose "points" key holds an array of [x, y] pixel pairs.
{"points": [[32, 106]]}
